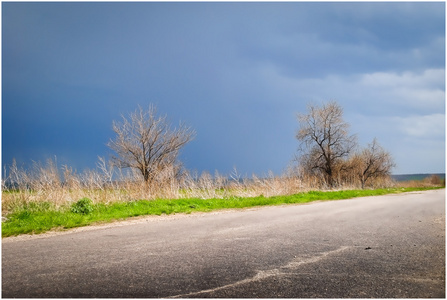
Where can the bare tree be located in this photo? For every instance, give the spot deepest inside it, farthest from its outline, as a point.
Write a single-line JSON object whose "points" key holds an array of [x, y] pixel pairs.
{"points": [[372, 162], [147, 143], [324, 140]]}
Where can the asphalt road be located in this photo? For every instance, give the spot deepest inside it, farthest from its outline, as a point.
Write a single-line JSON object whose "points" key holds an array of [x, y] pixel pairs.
{"points": [[387, 246]]}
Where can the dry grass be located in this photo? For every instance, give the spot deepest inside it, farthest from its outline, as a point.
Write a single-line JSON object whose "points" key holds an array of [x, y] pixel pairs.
{"points": [[431, 181], [62, 186]]}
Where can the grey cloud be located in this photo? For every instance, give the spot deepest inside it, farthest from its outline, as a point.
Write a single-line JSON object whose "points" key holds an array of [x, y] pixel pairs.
{"points": [[237, 72]]}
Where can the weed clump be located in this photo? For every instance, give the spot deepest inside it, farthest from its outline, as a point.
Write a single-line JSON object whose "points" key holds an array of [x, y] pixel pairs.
{"points": [[84, 206]]}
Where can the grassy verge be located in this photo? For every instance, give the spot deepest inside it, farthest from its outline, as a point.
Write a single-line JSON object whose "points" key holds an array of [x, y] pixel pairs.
{"points": [[43, 217]]}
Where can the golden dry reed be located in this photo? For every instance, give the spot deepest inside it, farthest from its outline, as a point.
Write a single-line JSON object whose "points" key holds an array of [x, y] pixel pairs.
{"points": [[61, 185]]}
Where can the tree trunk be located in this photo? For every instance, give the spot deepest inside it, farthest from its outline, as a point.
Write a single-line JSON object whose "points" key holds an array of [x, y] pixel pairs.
{"points": [[145, 174], [330, 180]]}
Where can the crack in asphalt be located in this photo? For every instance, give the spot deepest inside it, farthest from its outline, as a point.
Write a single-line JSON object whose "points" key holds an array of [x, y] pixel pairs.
{"points": [[262, 274]]}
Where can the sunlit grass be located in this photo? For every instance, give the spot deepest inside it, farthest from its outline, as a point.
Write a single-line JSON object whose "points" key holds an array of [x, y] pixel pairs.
{"points": [[44, 216]]}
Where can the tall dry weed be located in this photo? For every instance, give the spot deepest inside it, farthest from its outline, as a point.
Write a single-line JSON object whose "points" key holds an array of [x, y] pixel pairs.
{"points": [[62, 186]]}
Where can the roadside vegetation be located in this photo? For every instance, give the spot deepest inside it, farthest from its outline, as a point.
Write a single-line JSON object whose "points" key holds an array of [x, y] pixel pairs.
{"points": [[146, 177], [37, 218]]}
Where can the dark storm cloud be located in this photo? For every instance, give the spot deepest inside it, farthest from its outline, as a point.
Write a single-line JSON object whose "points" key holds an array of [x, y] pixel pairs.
{"points": [[236, 72]]}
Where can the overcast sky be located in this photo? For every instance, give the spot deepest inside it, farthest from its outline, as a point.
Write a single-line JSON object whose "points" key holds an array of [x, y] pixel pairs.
{"points": [[238, 73]]}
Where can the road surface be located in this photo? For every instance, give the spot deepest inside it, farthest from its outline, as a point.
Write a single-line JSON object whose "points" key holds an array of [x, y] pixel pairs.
{"points": [[386, 246]]}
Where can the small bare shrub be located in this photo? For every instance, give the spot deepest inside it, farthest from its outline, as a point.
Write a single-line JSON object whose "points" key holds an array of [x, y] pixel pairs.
{"points": [[434, 180]]}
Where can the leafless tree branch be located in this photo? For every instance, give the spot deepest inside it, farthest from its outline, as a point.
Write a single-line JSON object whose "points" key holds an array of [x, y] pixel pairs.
{"points": [[148, 143], [324, 139]]}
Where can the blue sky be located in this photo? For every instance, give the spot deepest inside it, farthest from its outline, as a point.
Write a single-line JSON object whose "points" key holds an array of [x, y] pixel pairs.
{"points": [[238, 73]]}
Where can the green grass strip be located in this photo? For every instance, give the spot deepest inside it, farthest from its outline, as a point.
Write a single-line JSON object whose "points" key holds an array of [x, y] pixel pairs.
{"points": [[42, 218]]}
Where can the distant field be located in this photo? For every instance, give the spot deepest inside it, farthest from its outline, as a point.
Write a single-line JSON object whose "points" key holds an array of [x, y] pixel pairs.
{"points": [[408, 177]]}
